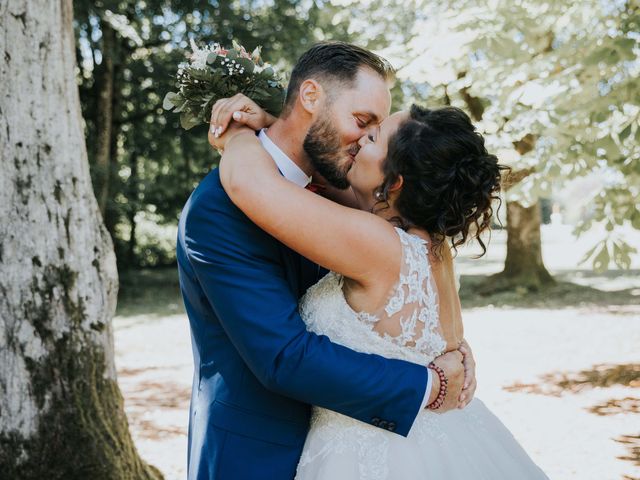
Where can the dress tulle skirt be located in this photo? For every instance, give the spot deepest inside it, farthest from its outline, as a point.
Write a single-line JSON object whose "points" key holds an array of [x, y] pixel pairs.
{"points": [[469, 444]]}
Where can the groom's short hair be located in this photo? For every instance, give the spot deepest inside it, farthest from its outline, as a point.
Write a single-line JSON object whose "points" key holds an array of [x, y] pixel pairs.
{"points": [[334, 61]]}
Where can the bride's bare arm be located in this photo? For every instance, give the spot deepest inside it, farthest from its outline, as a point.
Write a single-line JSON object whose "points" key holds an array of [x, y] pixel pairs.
{"points": [[357, 244], [345, 197]]}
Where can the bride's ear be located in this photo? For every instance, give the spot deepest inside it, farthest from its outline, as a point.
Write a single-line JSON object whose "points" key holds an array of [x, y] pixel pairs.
{"points": [[309, 95], [397, 185]]}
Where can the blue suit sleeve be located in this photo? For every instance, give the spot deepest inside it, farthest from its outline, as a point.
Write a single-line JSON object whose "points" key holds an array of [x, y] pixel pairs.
{"points": [[241, 272]]}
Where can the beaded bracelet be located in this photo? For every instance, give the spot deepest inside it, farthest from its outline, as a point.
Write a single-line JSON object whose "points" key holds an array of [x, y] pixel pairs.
{"points": [[437, 403]]}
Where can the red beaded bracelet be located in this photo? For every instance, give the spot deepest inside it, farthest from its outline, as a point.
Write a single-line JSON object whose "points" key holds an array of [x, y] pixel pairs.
{"points": [[437, 403]]}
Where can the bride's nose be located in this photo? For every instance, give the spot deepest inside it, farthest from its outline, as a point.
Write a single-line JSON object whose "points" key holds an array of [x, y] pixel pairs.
{"points": [[364, 140]]}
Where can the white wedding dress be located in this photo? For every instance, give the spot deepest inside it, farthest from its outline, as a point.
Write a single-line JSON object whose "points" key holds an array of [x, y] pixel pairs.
{"points": [[468, 444]]}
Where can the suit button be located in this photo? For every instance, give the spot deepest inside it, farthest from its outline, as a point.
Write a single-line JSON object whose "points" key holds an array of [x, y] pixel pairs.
{"points": [[375, 421], [391, 427], [383, 424]]}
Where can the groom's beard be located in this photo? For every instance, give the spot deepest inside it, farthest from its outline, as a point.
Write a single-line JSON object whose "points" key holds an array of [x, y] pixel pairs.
{"points": [[322, 144]]}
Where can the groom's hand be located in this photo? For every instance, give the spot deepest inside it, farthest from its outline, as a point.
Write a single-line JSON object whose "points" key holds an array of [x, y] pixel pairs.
{"points": [[240, 109], [451, 364], [470, 384]]}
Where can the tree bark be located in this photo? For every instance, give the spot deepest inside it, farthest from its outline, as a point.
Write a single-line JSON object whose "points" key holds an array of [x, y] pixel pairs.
{"points": [[104, 116], [108, 208], [523, 266], [524, 246], [133, 209], [61, 411]]}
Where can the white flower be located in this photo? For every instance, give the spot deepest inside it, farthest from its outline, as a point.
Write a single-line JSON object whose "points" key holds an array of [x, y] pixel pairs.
{"points": [[199, 55]]}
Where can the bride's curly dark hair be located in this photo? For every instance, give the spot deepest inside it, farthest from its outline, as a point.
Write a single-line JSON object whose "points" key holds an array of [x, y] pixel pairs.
{"points": [[449, 179]]}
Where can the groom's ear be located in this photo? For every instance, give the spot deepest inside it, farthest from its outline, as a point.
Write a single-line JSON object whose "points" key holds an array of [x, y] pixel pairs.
{"points": [[310, 94]]}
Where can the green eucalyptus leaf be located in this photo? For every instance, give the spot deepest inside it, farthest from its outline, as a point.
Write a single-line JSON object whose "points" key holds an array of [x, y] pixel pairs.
{"points": [[188, 120], [169, 100], [180, 108], [247, 64], [261, 92]]}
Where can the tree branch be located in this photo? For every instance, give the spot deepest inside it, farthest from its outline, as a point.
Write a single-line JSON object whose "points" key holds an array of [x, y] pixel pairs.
{"points": [[514, 177]]}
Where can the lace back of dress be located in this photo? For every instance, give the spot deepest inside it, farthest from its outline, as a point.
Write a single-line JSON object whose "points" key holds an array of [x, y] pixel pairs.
{"points": [[410, 318]]}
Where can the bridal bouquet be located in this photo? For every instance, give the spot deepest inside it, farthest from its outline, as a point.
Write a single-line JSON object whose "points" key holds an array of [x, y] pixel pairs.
{"points": [[213, 73]]}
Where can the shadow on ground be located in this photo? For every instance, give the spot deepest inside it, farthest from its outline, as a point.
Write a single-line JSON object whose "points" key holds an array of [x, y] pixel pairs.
{"points": [[564, 294], [600, 376], [606, 375], [156, 292], [632, 442], [151, 396]]}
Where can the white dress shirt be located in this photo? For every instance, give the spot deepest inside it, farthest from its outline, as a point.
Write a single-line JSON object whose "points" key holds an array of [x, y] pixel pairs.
{"points": [[294, 173], [287, 167]]}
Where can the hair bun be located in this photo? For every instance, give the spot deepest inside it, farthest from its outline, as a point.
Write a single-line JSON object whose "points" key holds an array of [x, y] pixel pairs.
{"points": [[450, 180]]}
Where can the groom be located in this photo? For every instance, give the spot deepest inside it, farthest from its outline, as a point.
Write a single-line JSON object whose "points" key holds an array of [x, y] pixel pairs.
{"points": [[257, 369]]}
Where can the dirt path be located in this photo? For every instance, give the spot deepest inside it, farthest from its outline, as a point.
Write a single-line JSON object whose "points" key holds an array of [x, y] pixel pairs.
{"points": [[549, 374], [511, 347]]}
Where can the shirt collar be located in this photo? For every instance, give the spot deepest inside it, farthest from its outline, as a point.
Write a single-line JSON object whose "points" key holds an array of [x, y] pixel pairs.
{"points": [[287, 167]]}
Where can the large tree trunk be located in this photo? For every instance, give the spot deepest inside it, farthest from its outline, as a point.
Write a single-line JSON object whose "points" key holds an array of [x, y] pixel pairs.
{"points": [[523, 267], [133, 192], [104, 116], [61, 412], [108, 208]]}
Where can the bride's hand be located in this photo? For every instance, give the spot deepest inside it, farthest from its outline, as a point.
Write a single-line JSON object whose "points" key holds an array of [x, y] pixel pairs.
{"points": [[470, 384], [219, 142], [451, 365], [241, 109]]}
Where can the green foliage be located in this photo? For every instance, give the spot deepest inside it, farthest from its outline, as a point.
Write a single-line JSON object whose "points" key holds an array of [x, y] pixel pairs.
{"points": [[155, 164], [563, 74]]}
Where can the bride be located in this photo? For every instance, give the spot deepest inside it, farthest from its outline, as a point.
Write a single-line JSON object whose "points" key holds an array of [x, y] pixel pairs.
{"points": [[423, 183]]}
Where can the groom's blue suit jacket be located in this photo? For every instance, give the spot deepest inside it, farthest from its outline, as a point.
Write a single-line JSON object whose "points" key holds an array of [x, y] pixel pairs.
{"points": [[257, 369]]}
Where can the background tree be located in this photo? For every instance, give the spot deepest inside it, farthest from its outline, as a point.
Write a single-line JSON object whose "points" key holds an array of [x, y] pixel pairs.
{"points": [[152, 164], [60, 407], [554, 87]]}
